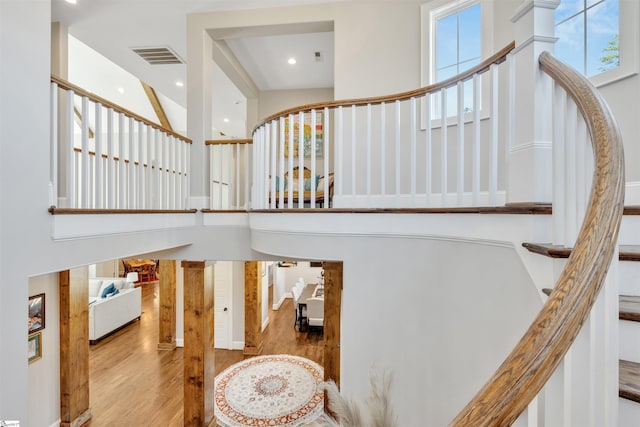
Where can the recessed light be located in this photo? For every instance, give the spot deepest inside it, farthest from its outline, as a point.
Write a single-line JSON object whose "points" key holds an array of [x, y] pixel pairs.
{"points": [[226, 120], [292, 61], [121, 90], [179, 83], [71, 1]]}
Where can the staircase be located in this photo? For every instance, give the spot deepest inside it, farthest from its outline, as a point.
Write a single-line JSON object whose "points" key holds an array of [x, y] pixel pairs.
{"points": [[629, 313]]}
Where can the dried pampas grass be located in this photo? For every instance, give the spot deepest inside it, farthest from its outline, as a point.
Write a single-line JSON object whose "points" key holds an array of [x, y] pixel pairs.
{"points": [[348, 413]]}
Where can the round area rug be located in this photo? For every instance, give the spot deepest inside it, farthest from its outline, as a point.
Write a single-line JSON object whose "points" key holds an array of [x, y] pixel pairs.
{"points": [[274, 390]]}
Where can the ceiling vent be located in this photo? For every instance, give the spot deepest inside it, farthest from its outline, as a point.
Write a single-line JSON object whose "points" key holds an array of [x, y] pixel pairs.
{"points": [[158, 55]]}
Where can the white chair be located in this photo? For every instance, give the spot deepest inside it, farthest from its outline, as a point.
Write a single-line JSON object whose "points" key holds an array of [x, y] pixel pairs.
{"points": [[315, 312]]}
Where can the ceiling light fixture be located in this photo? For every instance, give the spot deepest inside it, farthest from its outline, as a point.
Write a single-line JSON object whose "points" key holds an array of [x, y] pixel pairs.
{"points": [[71, 1], [179, 83], [292, 61], [226, 120], [121, 90]]}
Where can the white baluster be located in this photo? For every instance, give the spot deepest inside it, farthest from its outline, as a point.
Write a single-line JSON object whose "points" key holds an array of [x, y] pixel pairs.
{"points": [[72, 200], [354, 163], [99, 184], [397, 155], [140, 167], [559, 186], [475, 168], [173, 170], [247, 195], [570, 225], [283, 142], [368, 154], [122, 167], [414, 152], [339, 149], [428, 161], [266, 163], [111, 162], [325, 146], [291, 160], [443, 145], [383, 150], [511, 115], [301, 147], [85, 202], [493, 156], [460, 156], [220, 157]]}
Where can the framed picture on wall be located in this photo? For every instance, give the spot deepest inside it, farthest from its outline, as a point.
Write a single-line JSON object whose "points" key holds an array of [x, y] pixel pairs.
{"points": [[306, 136], [34, 348], [36, 313]]}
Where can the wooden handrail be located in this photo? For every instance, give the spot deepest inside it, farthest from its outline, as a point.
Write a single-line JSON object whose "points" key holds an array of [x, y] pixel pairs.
{"points": [[228, 141], [62, 83], [497, 58], [538, 353]]}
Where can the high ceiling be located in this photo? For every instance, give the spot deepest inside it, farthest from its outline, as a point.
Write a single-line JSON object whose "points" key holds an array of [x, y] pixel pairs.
{"points": [[113, 27]]}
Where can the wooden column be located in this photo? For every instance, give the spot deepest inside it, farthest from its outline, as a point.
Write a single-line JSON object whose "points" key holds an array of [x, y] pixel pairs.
{"points": [[74, 347], [252, 309], [332, 309], [199, 369], [167, 308]]}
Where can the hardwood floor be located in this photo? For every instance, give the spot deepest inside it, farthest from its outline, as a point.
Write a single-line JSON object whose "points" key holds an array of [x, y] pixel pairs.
{"points": [[132, 383]]}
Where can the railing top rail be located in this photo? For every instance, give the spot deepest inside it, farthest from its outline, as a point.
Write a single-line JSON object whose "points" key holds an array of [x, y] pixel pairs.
{"points": [[534, 359], [228, 141], [62, 83], [497, 58]]}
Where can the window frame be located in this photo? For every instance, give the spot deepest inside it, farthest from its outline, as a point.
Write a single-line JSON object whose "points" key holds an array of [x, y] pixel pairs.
{"points": [[430, 13]]}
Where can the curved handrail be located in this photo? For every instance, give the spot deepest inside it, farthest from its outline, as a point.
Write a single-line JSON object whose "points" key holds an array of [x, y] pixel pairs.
{"points": [[534, 359], [63, 84], [497, 58]]}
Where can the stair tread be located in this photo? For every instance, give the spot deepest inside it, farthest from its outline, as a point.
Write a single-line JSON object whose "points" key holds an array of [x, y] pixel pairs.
{"points": [[630, 307], [626, 252], [629, 380]]}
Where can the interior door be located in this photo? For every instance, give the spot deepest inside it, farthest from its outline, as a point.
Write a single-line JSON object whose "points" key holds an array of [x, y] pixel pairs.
{"points": [[222, 280]]}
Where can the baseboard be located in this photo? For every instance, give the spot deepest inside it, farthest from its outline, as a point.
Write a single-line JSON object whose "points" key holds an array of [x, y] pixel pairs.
{"points": [[632, 194], [276, 306], [265, 323], [237, 345], [179, 342], [57, 423]]}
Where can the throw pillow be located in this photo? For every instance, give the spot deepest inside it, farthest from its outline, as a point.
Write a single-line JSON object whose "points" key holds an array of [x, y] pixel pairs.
{"points": [[108, 290], [115, 292]]}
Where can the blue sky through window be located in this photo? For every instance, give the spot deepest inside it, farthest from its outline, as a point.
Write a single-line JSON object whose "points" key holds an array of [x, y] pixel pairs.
{"points": [[458, 48], [584, 29]]}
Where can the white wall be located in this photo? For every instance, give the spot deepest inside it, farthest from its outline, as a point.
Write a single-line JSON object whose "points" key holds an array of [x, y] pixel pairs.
{"points": [[286, 277], [274, 101], [44, 374]]}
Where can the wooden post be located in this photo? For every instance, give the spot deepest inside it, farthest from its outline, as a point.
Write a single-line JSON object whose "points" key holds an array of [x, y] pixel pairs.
{"points": [[199, 369], [332, 309], [74, 347], [252, 309], [167, 309]]}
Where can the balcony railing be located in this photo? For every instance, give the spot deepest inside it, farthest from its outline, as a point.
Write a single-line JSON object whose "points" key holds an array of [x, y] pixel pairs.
{"points": [[105, 157], [406, 150]]}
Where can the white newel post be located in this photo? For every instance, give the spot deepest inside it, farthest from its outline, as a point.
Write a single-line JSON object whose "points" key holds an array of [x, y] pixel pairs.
{"points": [[530, 168]]}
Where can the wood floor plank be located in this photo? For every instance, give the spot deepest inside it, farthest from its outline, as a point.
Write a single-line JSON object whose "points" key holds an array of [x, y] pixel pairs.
{"points": [[132, 383]]}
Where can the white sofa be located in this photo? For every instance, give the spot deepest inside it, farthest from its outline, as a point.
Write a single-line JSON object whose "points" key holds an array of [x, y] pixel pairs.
{"points": [[111, 313]]}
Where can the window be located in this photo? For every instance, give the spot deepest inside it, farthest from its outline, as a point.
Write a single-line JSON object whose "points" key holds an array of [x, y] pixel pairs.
{"points": [[588, 35], [453, 43]]}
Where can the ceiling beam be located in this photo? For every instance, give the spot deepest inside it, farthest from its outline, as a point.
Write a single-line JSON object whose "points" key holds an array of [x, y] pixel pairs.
{"points": [[157, 106]]}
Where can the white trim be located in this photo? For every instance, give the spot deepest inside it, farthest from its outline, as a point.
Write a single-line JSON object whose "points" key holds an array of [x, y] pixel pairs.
{"points": [[531, 145], [179, 342], [237, 345], [276, 305], [632, 193], [407, 200], [56, 423], [532, 39], [265, 323], [530, 4]]}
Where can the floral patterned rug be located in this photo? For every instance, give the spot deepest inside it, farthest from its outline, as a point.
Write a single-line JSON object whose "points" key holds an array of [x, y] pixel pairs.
{"points": [[274, 390]]}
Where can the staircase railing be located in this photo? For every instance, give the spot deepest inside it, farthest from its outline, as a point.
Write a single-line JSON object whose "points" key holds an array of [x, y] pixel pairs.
{"points": [[535, 358], [230, 166], [106, 157], [410, 149]]}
